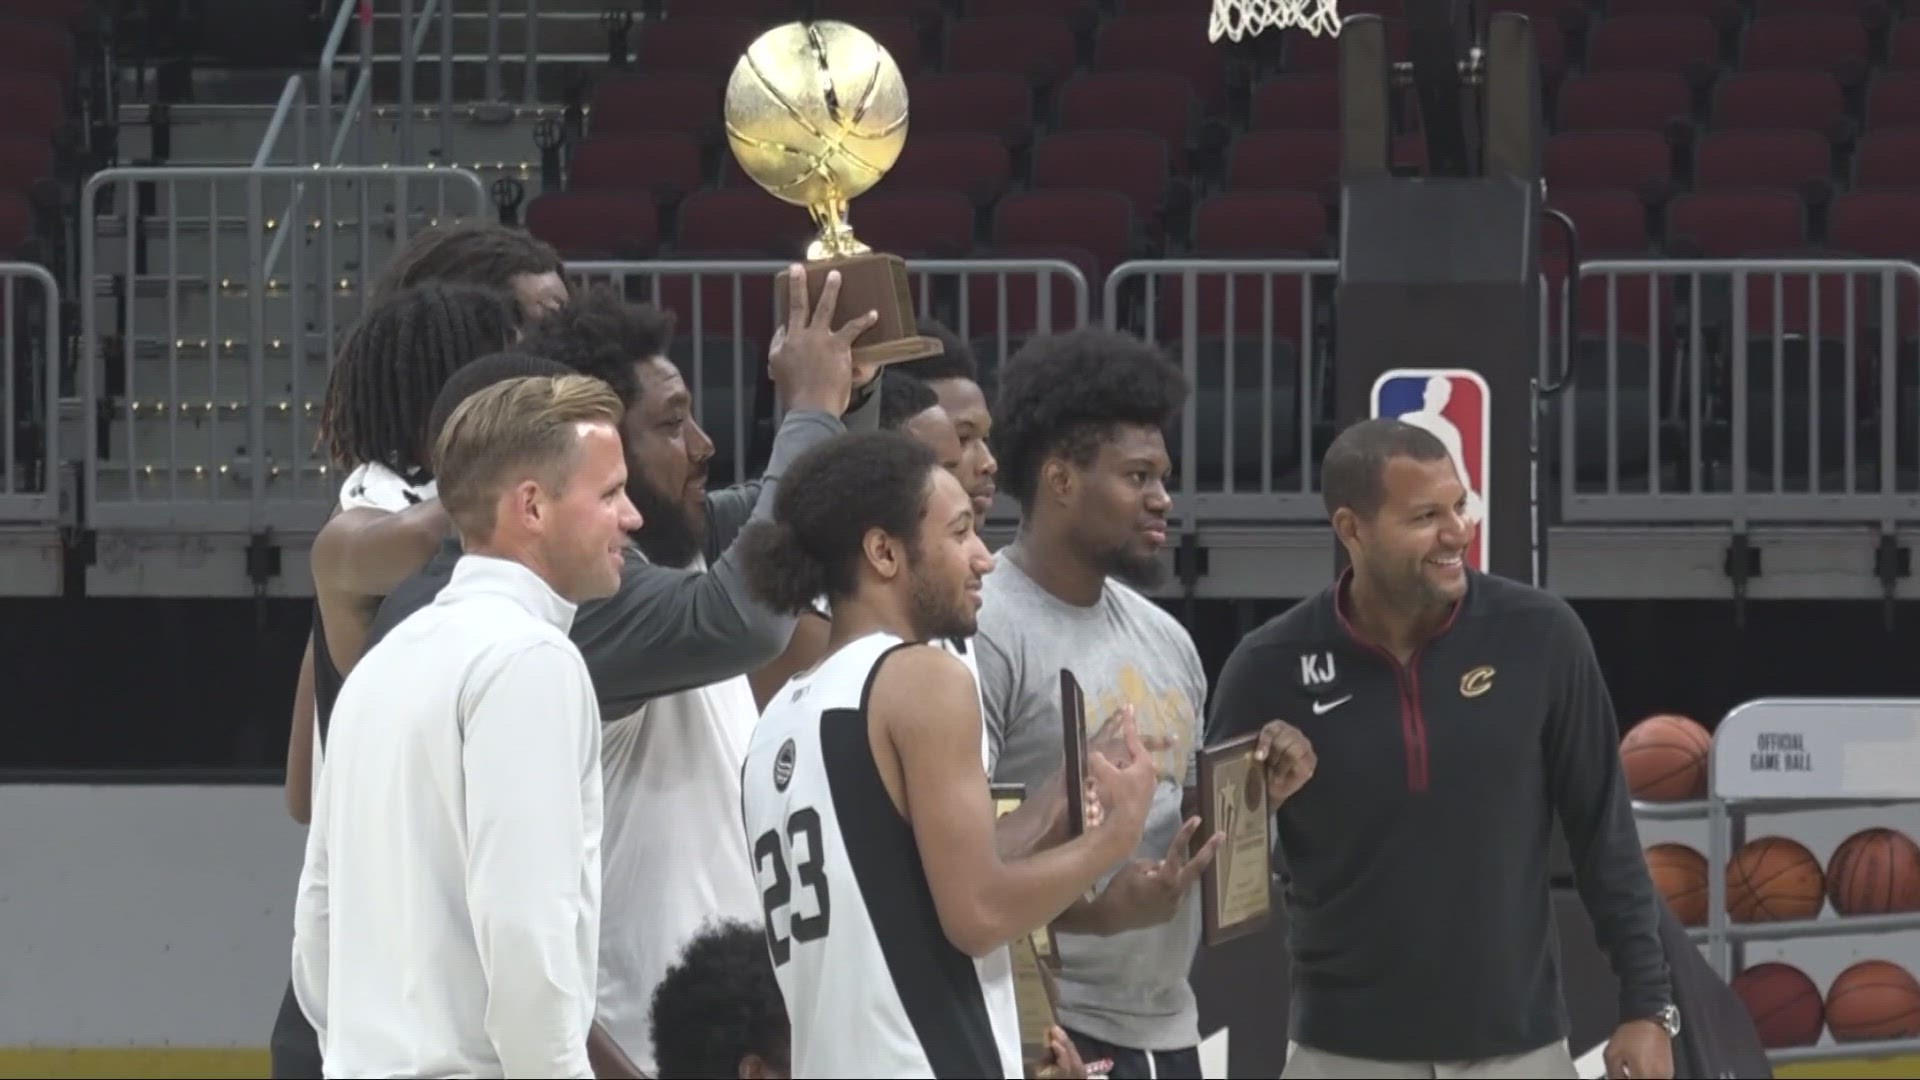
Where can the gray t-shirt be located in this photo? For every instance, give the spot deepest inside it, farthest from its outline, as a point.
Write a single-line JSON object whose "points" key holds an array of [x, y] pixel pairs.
{"points": [[1129, 989]]}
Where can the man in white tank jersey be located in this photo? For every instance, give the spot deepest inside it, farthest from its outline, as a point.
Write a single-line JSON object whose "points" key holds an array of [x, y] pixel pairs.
{"points": [[888, 905]]}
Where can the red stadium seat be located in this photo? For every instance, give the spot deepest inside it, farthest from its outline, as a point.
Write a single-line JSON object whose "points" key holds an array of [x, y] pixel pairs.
{"points": [[1780, 99], [1569, 16], [16, 223], [31, 46], [742, 220], [1297, 103], [1746, 160], [1285, 161], [1804, 41], [1097, 222], [1888, 158], [668, 166], [1172, 43], [1134, 164], [695, 46], [977, 166], [1611, 223], [1624, 160], [1858, 9], [989, 103], [30, 105], [857, 10], [1903, 46], [1261, 225], [765, 12], [1653, 42], [645, 104], [596, 224], [1876, 224], [925, 225], [1059, 8], [1159, 104], [1737, 224], [1624, 101], [1036, 47], [1721, 13], [1894, 100]]}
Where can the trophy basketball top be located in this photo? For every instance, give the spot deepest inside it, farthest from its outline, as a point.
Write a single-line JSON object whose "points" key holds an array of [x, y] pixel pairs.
{"points": [[816, 113]]}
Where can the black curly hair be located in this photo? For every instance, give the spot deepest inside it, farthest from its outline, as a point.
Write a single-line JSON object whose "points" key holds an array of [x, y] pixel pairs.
{"points": [[601, 335], [395, 361], [482, 373], [903, 397], [476, 254], [720, 1003], [829, 497], [956, 362], [1065, 394]]}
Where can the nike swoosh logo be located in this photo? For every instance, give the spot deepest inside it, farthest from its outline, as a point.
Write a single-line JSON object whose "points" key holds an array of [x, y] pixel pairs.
{"points": [[1322, 708]]}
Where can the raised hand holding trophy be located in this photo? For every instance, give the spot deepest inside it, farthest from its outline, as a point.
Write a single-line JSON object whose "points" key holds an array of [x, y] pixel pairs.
{"points": [[816, 113]]}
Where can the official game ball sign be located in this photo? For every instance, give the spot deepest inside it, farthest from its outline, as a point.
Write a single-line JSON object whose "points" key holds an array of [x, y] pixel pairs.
{"points": [[1454, 404], [1819, 748]]}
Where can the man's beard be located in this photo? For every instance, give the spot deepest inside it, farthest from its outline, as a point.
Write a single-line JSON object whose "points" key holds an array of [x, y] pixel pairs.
{"points": [[934, 611], [670, 533], [1137, 570]]}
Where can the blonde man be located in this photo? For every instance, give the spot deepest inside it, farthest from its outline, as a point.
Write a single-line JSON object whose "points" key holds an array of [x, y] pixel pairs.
{"points": [[448, 915]]}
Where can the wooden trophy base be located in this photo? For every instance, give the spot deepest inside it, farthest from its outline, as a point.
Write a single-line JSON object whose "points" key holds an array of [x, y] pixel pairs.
{"points": [[877, 282]]}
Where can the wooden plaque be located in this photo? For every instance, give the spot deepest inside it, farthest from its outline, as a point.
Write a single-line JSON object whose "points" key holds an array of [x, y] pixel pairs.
{"points": [[1236, 888]]}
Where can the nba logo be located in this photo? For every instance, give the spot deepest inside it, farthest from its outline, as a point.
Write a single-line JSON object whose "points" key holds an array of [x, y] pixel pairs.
{"points": [[1453, 404]]}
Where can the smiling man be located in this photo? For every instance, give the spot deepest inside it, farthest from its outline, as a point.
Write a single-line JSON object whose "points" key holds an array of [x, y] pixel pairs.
{"points": [[1428, 722], [1082, 420], [670, 651]]}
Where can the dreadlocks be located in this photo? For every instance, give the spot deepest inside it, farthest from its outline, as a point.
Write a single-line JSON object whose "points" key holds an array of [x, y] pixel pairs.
{"points": [[485, 254], [394, 363]]}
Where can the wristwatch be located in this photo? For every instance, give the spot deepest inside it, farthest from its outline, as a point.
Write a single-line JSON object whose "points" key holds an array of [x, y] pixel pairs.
{"points": [[1669, 1018]]}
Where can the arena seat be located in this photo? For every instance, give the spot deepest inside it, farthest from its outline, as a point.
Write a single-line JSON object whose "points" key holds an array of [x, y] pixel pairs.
{"points": [[1165, 43], [1805, 41], [1736, 224], [1624, 101], [1129, 163], [596, 224], [665, 166], [1620, 160], [1036, 47], [1888, 158], [1656, 41], [707, 47], [1781, 99], [1611, 223], [1744, 160], [648, 104], [1296, 103], [1285, 160], [977, 166], [1893, 100], [1159, 103]]}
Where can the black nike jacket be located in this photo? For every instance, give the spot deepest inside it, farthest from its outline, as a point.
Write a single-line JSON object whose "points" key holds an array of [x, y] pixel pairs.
{"points": [[1416, 860]]}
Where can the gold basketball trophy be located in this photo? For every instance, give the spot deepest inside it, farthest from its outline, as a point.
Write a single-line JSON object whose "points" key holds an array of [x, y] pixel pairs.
{"points": [[816, 113]]}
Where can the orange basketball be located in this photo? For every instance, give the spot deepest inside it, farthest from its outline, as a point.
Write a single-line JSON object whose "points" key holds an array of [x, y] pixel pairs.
{"points": [[1873, 999], [1774, 878], [1680, 873], [1876, 872], [1665, 758], [1785, 1005]]}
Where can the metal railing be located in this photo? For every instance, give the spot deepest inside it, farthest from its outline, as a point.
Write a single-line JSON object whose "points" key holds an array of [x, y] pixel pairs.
{"points": [[1253, 336], [725, 312], [30, 394], [1740, 391], [211, 364]]}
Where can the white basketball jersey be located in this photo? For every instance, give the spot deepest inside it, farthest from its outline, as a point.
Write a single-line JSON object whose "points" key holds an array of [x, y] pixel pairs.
{"points": [[872, 985]]}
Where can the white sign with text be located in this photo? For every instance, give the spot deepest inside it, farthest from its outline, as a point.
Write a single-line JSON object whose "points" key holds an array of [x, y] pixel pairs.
{"points": [[1819, 748]]}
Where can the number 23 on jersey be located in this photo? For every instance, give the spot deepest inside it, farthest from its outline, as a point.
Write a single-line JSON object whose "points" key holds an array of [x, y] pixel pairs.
{"points": [[802, 848]]}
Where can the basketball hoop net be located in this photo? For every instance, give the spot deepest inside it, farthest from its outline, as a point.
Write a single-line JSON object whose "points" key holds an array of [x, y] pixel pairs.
{"points": [[1237, 18]]}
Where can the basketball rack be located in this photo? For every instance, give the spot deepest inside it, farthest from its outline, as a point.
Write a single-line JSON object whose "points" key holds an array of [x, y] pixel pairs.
{"points": [[1854, 753]]}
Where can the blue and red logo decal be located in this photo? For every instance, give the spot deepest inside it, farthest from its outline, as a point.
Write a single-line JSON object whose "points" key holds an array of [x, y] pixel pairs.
{"points": [[1453, 403]]}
